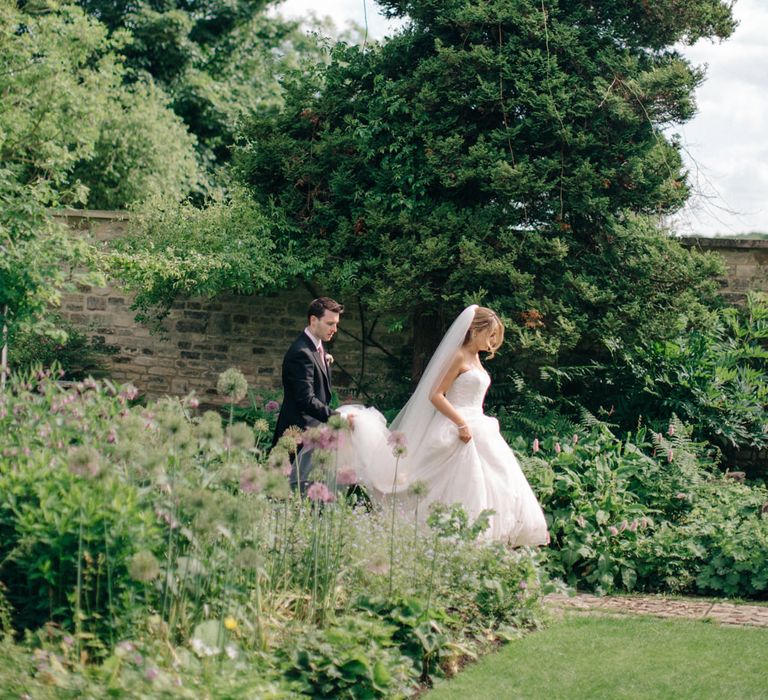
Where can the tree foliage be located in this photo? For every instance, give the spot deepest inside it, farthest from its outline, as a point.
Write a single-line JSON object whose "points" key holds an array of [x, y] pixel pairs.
{"points": [[515, 153], [216, 59]]}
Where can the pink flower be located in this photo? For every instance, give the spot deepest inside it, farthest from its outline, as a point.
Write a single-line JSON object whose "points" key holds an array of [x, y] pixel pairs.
{"points": [[321, 438], [575, 439], [558, 449], [613, 530], [535, 445], [193, 402], [523, 585], [633, 526], [670, 456], [318, 491], [346, 476], [398, 442], [272, 406], [623, 525], [681, 496]]}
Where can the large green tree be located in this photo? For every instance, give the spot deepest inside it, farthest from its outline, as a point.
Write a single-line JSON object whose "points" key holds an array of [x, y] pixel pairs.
{"points": [[514, 152]]}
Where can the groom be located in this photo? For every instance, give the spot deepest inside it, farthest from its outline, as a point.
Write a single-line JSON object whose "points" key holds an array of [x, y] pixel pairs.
{"points": [[307, 379]]}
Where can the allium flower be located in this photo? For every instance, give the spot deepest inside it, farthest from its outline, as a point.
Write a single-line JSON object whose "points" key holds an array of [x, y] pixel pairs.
{"points": [[84, 461], [144, 567], [250, 480], [276, 486], [129, 392], [398, 442], [613, 530], [418, 489], [535, 445], [290, 439], [318, 491], [260, 425], [232, 384], [272, 407], [321, 438], [346, 476], [558, 448], [240, 436]]}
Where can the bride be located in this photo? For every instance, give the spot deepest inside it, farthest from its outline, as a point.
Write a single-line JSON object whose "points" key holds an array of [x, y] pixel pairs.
{"points": [[449, 443]]}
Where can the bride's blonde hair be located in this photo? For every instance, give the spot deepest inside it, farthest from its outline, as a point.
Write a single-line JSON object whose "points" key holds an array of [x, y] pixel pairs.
{"points": [[485, 319]]}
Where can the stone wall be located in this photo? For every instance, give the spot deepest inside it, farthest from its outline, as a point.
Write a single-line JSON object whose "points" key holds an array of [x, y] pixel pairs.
{"points": [[206, 336], [203, 337], [747, 262]]}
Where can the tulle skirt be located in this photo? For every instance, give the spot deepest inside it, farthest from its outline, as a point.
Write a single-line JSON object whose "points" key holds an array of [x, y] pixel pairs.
{"points": [[481, 474]]}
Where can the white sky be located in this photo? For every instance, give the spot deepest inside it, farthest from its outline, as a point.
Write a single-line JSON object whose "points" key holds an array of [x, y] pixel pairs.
{"points": [[726, 142]]}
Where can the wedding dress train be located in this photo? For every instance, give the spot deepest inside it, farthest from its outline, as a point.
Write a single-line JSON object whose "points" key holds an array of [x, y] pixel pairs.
{"points": [[480, 474]]}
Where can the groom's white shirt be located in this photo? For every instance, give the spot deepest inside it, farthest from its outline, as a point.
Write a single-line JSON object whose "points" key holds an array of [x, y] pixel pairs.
{"points": [[318, 343]]}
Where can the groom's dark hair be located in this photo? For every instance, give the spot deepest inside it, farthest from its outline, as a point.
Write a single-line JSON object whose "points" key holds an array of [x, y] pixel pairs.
{"points": [[322, 304]]}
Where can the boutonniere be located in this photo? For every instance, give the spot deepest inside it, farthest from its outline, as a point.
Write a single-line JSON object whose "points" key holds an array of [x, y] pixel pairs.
{"points": [[329, 358]]}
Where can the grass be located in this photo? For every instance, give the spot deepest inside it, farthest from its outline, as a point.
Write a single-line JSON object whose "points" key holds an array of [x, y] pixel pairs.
{"points": [[610, 658]]}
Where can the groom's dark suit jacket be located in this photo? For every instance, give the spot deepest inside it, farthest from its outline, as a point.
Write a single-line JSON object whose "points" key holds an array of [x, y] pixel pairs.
{"points": [[307, 387]]}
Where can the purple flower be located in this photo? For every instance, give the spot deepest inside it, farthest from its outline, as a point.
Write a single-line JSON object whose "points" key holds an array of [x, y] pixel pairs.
{"points": [[523, 585], [318, 491], [272, 406], [535, 445], [633, 526], [575, 439], [151, 673], [558, 449], [398, 442], [346, 476], [623, 526], [613, 530]]}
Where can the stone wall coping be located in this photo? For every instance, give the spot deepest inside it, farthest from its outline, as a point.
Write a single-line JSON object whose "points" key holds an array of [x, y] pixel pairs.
{"points": [[109, 215], [724, 242]]}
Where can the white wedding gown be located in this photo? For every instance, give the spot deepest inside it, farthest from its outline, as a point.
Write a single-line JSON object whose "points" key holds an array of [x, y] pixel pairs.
{"points": [[482, 473]]}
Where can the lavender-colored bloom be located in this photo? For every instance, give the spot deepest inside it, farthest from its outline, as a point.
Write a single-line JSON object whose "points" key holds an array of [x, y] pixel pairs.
{"points": [[346, 476], [633, 526], [319, 492], [575, 439], [613, 530], [398, 442], [523, 585], [558, 448], [272, 406], [670, 456], [151, 673]]}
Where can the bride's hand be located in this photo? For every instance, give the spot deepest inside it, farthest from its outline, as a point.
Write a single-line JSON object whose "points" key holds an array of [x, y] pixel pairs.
{"points": [[464, 434]]}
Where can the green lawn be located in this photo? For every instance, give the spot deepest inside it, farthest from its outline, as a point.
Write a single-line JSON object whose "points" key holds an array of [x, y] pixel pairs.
{"points": [[621, 658]]}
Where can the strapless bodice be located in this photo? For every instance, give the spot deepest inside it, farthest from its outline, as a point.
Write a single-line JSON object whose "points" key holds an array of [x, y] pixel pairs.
{"points": [[468, 389]]}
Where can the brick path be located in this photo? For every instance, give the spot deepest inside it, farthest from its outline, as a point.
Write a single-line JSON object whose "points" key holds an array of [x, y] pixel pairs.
{"points": [[690, 608]]}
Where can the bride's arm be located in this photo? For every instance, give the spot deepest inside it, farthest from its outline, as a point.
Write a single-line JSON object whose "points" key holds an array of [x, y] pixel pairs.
{"points": [[442, 404]]}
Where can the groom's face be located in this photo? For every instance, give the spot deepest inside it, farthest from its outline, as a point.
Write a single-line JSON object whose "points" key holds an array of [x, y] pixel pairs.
{"points": [[326, 326]]}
